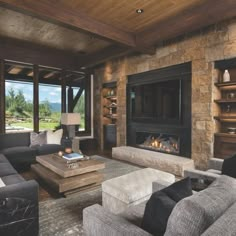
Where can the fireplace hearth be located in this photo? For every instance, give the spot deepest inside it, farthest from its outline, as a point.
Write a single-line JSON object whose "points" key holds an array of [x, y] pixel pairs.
{"points": [[158, 142]]}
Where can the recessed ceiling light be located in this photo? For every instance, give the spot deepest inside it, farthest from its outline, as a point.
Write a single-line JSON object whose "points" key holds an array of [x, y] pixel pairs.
{"points": [[139, 11]]}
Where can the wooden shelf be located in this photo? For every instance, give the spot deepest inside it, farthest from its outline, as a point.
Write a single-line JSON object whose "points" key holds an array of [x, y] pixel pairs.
{"points": [[225, 100], [110, 97], [113, 106], [226, 85], [113, 117], [226, 119], [225, 135]]}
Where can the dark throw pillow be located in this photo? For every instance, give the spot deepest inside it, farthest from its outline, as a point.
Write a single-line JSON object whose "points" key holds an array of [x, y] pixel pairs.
{"points": [[161, 204], [38, 139], [229, 166]]}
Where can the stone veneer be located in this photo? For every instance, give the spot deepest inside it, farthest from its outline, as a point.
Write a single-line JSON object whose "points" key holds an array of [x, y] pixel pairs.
{"points": [[202, 48]]}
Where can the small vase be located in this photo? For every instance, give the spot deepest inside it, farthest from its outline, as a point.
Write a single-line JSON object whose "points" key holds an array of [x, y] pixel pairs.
{"points": [[226, 76]]}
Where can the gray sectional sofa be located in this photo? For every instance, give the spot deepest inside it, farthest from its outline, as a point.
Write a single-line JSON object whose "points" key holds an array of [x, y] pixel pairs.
{"points": [[16, 148], [18, 202], [209, 212]]}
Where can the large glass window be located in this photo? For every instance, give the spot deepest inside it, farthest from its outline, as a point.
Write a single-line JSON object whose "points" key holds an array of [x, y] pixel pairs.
{"points": [[54, 91], [18, 98], [49, 106]]}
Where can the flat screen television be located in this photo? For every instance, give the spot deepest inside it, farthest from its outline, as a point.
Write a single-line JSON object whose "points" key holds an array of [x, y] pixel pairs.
{"points": [[156, 101]]}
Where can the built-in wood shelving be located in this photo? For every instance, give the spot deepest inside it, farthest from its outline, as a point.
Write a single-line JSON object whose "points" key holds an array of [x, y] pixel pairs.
{"points": [[225, 138]]}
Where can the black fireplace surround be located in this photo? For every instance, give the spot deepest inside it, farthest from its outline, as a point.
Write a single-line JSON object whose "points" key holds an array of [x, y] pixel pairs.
{"points": [[159, 110]]}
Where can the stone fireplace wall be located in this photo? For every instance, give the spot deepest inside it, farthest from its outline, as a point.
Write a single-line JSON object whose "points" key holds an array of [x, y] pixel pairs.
{"points": [[202, 48]]}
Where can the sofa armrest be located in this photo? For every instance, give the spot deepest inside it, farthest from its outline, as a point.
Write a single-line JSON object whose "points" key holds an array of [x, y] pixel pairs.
{"points": [[193, 173], [97, 221], [26, 189], [215, 163], [159, 185]]}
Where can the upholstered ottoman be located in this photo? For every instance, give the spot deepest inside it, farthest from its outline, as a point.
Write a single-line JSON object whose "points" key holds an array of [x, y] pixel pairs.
{"points": [[131, 189]]}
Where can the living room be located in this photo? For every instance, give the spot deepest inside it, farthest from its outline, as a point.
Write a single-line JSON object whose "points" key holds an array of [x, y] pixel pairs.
{"points": [[143, 91]]}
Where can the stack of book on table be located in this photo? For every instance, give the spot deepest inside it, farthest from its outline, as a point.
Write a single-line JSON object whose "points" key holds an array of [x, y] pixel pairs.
{"points": [[72, 159], [73, 156]]}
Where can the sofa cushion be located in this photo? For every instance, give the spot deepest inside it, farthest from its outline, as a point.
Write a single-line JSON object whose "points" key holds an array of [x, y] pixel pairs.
{"points": [[19, 153], [6, 169], [12, 179], [3, 159], [225, 225], [229, 166], [38, 138], [193, 215], [54, 137], [48, 149], [161, 204], [14, 140]]}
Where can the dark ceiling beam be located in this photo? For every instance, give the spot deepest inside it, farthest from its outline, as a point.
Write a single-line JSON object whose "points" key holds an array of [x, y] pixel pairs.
{"points": [[16, 50], [206, 13]]}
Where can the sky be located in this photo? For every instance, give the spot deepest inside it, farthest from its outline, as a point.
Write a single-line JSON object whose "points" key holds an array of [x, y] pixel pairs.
{"points": [[50, 93]]}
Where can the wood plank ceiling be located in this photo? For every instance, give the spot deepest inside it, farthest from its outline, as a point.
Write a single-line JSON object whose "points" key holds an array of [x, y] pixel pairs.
{"points": [[93, 31]]}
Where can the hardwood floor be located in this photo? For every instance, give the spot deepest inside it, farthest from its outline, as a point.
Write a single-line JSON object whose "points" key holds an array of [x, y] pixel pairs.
{"points": [[45, 192]]}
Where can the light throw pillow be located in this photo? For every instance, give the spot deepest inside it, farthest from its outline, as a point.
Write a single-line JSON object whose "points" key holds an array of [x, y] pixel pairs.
{"points": [[54, 137], [38, 139], [2, 183]]}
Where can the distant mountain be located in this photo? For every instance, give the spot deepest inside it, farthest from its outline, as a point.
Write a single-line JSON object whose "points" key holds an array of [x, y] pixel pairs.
{"points": [[55, 106]]}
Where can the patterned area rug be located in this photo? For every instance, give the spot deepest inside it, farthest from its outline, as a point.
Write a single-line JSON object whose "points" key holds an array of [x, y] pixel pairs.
{"points": [[62, 217]]}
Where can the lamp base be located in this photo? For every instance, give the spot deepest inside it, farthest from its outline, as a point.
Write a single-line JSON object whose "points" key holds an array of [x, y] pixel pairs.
{"points": [[71, 131]]}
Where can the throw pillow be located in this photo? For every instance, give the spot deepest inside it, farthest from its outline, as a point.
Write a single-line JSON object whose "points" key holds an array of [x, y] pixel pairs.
{"points": [[37, 139], [54, 137], [229, 166], [2, 183], [161, 204]]}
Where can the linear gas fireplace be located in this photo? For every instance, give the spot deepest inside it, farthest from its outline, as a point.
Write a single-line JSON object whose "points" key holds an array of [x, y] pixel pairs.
{"points": [[158, 142], [159, 110]]}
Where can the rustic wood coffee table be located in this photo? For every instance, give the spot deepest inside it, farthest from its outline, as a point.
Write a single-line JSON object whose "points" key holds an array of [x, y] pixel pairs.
{"points": [[54, 171]]}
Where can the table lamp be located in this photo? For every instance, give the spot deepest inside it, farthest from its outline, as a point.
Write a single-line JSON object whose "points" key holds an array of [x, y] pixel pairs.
{"points": [[70, 120]]}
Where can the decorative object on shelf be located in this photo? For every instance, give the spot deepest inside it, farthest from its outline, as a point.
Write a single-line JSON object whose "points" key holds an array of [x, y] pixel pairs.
{"points": [[110, 111], [231, 95], [70, 120], [228, 109], [231, 130], [226, 76], [112, 92]]}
